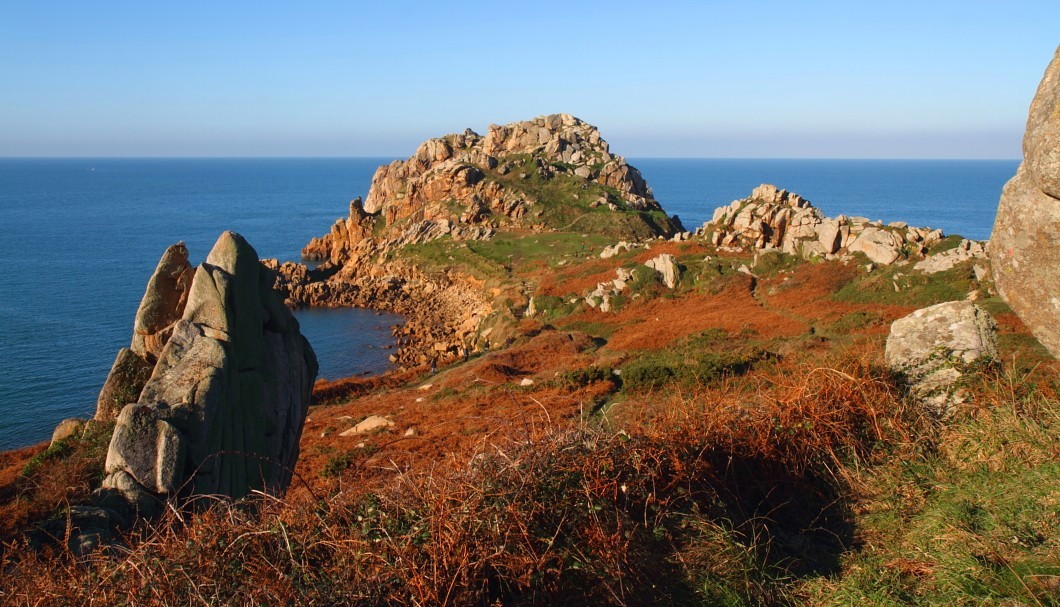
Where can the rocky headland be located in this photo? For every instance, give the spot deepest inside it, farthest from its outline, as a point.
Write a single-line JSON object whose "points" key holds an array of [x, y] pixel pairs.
{"points": [[592, 405], [553, 173]]}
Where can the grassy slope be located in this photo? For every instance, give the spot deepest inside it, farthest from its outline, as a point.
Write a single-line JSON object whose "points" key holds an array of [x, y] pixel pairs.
{"points": [[752, 451]]}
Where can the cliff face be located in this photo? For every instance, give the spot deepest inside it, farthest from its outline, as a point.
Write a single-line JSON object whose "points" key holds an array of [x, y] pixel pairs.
{"points": [[541, 174], [1025, 244]]}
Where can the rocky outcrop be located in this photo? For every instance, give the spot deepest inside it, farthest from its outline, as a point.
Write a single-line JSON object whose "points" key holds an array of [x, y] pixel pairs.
{"points": [[551, 173], [666, 265], [163, 302], [966, 250], [933, 345], [1024, 248], [468, 185], [604, 292], [601, 298], [126, 380], [67, 428], [620, 247], [771, 218], [224, 407], [345, 233], [162, 305]]}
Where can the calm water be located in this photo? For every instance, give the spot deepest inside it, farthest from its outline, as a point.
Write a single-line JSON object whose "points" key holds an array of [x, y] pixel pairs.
{"points": [[80, 237], [959, 196]]}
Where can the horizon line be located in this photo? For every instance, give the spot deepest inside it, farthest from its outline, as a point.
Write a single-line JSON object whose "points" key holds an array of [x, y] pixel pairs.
{"points": [[376, 157]]}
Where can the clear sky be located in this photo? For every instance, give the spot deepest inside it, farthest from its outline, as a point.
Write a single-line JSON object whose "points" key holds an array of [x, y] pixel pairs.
{"points": [[712, 78]]}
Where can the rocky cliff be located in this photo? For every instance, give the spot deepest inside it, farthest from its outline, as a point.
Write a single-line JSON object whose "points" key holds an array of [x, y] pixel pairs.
{"points": [[553, 172], [1025, 244]]}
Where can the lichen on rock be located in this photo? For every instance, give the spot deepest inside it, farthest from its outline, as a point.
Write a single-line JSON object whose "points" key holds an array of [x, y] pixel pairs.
{"points": [[930, 347]]}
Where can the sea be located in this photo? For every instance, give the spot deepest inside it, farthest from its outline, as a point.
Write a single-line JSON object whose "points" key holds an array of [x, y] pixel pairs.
{"points": [[79, 238]]}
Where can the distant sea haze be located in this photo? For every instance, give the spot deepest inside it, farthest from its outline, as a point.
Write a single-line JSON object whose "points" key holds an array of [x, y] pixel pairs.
{"points": [[80, 237]]}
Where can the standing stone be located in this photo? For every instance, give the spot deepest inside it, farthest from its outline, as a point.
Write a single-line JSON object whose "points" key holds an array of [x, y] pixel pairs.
{"points": [[223, 410], [1024, 248]]}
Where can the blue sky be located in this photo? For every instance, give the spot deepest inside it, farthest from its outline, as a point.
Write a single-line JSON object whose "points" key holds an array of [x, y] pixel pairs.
{"points": [[706, 79]]}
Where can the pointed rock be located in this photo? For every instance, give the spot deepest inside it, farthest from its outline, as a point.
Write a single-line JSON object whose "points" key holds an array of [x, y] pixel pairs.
{"points": [[163, 302], [225, 404]]}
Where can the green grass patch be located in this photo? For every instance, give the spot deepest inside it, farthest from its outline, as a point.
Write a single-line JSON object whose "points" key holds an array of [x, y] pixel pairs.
{"points": [[972, 519], [444, 253], [592, 329], [563, 201], [504, 253], [55, 451], [946, 244], [583, 377], [913, 288], [92, 442], [772, 263], [550, 307], [697, 360], [854, 321]]}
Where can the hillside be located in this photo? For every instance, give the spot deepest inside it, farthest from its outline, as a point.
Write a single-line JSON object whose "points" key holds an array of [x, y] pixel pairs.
{"points": [[595, 406]]}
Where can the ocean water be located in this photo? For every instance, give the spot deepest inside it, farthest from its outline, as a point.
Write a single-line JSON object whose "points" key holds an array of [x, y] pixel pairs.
{"points": [[958, 196], [80, 237]]}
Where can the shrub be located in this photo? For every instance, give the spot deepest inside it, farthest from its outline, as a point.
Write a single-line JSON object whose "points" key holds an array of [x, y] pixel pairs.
{"points": [[647, 283], [583, 377], [773, 262], [689, 370]]}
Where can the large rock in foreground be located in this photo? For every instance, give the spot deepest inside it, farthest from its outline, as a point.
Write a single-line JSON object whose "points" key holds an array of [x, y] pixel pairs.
{"points": [[224, 407], [1025, 245], [932, 345]]}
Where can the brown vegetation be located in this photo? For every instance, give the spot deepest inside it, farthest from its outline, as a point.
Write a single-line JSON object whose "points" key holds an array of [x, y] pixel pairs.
{"points": [[542, 513]]}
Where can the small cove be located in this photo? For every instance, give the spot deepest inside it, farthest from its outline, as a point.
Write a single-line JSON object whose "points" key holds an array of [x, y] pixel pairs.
{"points": [[349, 341]]}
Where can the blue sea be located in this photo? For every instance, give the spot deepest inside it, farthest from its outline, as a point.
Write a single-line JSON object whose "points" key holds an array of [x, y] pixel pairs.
{"points": [[80, 237]]}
